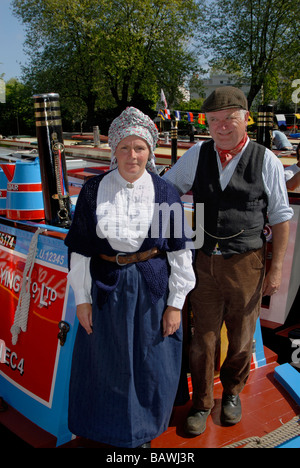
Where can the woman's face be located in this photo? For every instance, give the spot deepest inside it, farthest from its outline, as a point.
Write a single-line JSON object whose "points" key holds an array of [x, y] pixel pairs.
{"points": [[132, 155]]}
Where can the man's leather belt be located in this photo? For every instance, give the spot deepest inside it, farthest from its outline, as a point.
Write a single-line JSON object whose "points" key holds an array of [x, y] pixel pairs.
{"points": [[123, 259]]}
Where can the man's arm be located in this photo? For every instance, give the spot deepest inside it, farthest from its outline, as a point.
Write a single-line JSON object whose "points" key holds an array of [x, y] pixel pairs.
{"points": [[182, 174], [280, 237]]}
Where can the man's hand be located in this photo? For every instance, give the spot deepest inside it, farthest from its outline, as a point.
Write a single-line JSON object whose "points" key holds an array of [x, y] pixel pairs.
{"points": [[272, 282]]}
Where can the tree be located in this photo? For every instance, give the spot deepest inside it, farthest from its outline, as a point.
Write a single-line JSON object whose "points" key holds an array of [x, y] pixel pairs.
{"points": [[108, 53], [253, 36], [16, 115]]}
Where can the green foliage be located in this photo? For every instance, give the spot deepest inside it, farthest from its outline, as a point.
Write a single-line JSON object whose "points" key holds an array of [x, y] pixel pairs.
{"points": [[258, 38], [16, 115], [108, 53], [103, 55]]}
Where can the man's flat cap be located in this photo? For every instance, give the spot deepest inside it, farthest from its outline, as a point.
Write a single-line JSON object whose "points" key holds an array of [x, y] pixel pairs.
{"points": [[226, 97]]}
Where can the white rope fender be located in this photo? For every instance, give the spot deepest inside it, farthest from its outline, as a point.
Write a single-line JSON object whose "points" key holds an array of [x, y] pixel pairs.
{"points": [[279, 436], [21, 313]]}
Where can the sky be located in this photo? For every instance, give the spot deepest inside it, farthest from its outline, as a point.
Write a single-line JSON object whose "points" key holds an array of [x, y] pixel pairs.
{"points": [[12, 37]]}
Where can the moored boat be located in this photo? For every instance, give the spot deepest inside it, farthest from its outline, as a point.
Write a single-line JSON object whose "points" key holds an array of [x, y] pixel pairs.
{"points": [[75, 148]]}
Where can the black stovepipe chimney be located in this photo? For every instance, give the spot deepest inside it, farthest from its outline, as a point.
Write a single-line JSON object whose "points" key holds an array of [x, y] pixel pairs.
{"points": [[54, 177]]}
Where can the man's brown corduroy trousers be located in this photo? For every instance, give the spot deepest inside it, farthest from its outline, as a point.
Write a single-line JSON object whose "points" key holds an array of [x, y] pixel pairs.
{"points": [[230, 291]]}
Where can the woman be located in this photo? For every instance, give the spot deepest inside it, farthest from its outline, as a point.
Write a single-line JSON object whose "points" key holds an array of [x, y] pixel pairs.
{"points": [[130, 286]]}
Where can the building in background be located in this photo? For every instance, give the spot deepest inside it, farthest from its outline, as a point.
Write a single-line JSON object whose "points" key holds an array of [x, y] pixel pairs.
{"points": [[216, 81]]}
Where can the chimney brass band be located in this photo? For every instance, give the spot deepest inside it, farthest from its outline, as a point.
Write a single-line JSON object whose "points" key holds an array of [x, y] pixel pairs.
{"points": [[46, 104], [48, 123], [46, 114], [265, 119]]}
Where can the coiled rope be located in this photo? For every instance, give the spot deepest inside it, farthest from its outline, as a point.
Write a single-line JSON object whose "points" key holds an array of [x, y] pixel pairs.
{"points": [[274, 439], [21, 313]]}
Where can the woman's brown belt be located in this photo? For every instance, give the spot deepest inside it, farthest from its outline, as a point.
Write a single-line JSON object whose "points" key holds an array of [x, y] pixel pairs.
{"points": [[123, 259]]}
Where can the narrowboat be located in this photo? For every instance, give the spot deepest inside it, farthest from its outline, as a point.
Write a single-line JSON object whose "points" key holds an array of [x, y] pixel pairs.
{"points": [[38, 323]]}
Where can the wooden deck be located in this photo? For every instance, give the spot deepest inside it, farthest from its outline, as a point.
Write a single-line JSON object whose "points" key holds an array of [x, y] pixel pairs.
{"points": [[265, 407]]}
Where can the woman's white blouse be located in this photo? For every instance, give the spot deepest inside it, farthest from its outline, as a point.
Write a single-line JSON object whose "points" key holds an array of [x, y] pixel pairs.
{"points": [[124, 214]]}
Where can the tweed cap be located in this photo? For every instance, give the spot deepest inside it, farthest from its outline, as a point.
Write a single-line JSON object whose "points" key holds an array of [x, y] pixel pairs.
{"points": [[226, 97], [132, 122]]}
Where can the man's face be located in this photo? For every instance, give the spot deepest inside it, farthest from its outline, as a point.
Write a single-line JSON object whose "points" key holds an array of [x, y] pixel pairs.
{"points": [[227, 127]]}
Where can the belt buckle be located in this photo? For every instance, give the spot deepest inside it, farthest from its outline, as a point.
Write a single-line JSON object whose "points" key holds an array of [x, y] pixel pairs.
{"points": [[122, 254]]}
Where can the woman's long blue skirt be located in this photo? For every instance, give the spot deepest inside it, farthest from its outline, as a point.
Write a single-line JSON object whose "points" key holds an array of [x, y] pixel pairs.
{"points": [[124, 375]]}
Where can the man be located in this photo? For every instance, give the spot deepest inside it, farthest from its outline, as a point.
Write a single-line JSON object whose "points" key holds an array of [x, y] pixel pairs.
{"points": [[292, 174], [240, 183], [280, 141]]}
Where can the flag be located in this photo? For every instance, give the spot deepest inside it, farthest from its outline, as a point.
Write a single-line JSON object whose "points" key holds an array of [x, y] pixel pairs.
{"points": [[161, 114], [281, 120], [177, 115], [167, 114], [201, 119], [190, 116], [163, 98], [298, 116]]}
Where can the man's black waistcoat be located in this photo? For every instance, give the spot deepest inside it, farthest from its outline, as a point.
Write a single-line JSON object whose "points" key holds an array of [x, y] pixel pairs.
{"points": [[234, 218]]}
